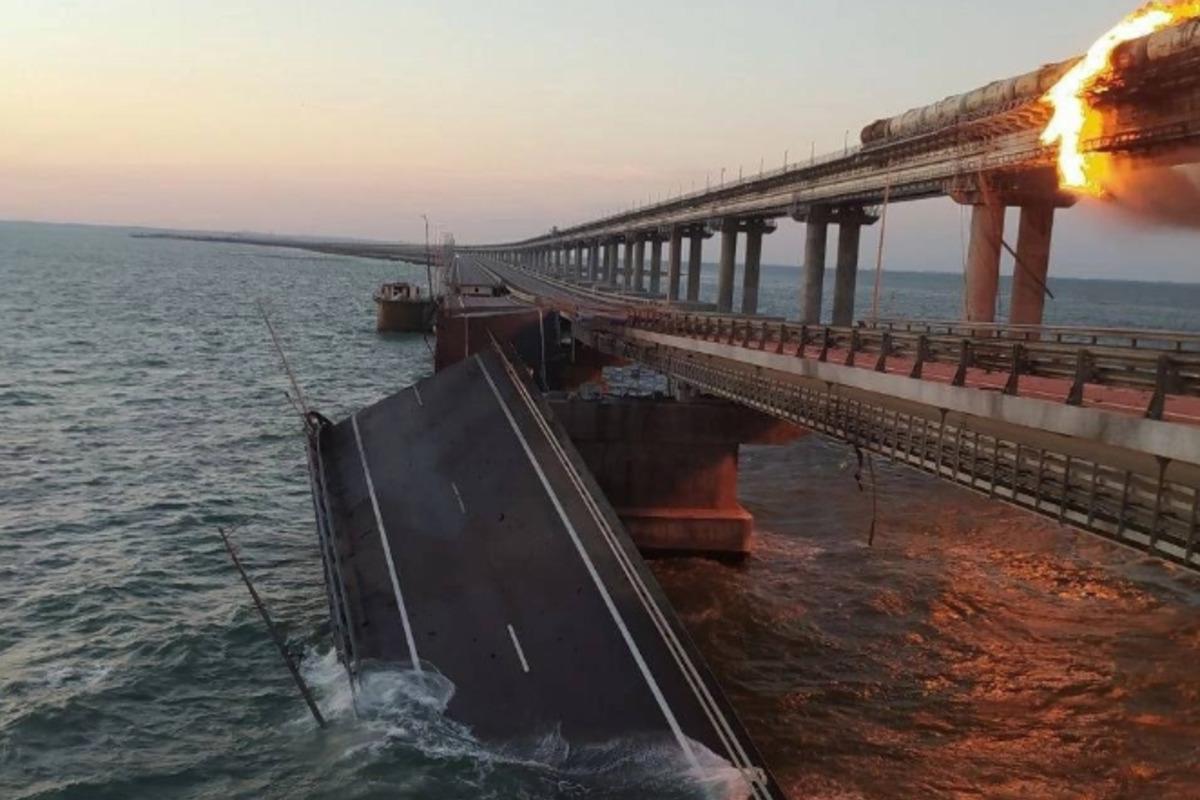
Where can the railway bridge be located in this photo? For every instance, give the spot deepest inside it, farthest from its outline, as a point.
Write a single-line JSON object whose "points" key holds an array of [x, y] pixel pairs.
{"points": [[982, 148]]}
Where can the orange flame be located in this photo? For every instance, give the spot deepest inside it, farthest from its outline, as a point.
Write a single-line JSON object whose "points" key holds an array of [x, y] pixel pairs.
{"points": [[1073, 112]]}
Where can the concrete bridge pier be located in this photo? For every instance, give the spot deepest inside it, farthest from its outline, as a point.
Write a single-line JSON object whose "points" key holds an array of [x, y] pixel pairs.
{"points": [[594, 261], [1037, 195], [983, 261], [610, 267], [816, 243], [580, 260], [725, 269], [750, 276], [1033, 256], [630, 246], [639, 265], [674, 264], [691, 449], [655, 263], [695, 254], [850, 223]]}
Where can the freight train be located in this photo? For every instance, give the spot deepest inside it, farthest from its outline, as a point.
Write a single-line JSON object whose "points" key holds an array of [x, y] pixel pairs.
{"points": [[1000, 97]]}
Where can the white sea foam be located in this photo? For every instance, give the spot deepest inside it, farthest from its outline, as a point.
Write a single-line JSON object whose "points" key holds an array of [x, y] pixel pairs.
{"points": [[393, 707], [86, 677]]}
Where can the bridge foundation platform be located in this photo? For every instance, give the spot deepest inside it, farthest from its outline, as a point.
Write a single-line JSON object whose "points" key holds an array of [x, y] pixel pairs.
{"points": [[670, 468]]}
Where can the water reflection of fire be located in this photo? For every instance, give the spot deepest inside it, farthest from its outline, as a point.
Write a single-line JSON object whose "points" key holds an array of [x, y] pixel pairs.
{"points": [[1074, 116]]}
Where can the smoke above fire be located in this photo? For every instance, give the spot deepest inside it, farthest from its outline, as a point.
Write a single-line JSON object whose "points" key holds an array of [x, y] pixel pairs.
{"points": [[1168, 196], [1074, 117]]}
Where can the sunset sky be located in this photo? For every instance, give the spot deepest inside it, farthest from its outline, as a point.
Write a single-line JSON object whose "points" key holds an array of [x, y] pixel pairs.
{"points": [[499, 119]]}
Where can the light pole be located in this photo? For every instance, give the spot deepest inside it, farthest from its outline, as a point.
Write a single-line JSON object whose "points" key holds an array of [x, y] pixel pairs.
{"points": [[428, 266]]}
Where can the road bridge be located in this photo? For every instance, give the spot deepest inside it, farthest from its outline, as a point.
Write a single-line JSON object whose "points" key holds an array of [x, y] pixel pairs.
{"points": [[464, 540], [1096, 428]]}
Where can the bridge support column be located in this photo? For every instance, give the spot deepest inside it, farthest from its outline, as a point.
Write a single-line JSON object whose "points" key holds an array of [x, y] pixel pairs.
{"points": [[816, 243], [691, 449], [655, 263], [630, 247], [580, 261], [846, 280], [753, 266], [850, 223], [673, 267], [610, 274], [729, 232], [983, 261], [594, 262], [1033, 265], [639, 265], [695, 253]]}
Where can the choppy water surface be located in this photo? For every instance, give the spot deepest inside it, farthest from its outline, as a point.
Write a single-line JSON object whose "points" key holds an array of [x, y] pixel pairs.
{"points": [[973, 652]]}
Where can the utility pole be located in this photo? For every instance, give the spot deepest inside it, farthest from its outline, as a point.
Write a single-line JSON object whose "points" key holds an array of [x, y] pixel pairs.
{"points": [[428, 265]]}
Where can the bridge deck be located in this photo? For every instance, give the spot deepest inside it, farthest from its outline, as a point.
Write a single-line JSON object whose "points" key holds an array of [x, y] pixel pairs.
{"points": [[758, 333], [1097, 464], [470, 540]]}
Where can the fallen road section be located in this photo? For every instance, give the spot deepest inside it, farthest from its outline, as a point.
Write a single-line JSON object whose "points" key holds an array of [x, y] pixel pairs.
{"points": [[461, 533]]}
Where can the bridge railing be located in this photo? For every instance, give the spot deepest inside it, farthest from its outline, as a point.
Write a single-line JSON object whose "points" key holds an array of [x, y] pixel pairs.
{"points": [[1154, 508], [1135, 338], [955, 357], [699, 195]]}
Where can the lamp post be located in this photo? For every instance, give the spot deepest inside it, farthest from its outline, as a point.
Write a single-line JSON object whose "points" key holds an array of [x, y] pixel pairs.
{"points": [[428, 266]]}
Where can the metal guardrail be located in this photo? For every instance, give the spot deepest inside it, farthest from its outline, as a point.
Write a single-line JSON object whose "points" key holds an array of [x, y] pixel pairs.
{"points": [[1160, 373], [615, 296], [335, 591], [1097, 490], [1134, 338]]}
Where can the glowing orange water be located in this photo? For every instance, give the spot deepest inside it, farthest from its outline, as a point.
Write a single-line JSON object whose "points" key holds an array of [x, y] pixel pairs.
{"points": [[1073, 111]]}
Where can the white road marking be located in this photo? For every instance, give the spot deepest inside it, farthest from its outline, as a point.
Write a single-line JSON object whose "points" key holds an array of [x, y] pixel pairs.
{"points": [[673, 723], [458, 497], [417, 394], [517, 646], [387, 548], [722, 726]]}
